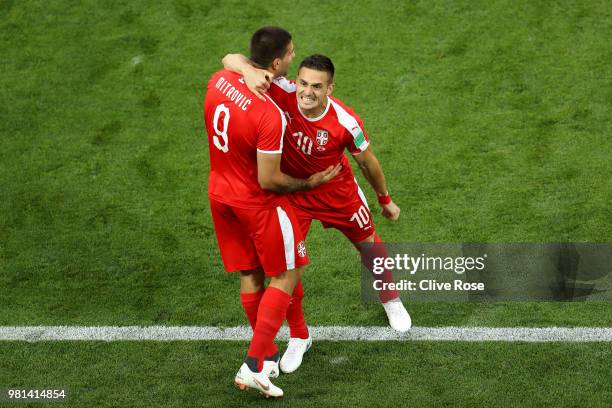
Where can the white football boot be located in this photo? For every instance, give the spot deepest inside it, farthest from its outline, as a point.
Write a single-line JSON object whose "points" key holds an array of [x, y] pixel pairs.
{"points": [[399, 319], [245, 379], [292, 359], [270, 368]]}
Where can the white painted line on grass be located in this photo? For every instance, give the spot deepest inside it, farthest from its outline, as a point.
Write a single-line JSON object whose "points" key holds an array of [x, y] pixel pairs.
{"points": [[331, 333]]}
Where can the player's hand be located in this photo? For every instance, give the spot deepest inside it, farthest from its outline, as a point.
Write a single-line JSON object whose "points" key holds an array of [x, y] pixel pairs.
{"points": [[258, 81], [324, 176], [390, 211]]}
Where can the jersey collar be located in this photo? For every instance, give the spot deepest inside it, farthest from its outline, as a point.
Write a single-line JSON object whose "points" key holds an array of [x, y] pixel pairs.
{"points": [[318, 117]]}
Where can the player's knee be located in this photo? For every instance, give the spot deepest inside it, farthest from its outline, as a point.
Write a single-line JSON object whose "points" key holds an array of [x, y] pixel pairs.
{"points": [[287, 280], [368, 240], [252, 279], [292, 275], [298, 273]]}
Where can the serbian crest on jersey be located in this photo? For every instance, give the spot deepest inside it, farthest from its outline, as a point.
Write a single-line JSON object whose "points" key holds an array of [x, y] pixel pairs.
{"points": [[301, 249], [321, 137]]}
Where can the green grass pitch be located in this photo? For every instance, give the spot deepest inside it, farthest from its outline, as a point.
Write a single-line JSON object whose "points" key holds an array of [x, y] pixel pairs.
{"points": [[190, 374], [491, 121]]}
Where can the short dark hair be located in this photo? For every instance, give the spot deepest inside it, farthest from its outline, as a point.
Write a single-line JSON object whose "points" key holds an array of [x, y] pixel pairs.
{"points": [[320, 63], [269, 43]]}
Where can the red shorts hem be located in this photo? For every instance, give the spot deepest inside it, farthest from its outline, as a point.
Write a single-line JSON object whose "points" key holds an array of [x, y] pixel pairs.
{"points": [[352, 234], [274, 273], [242, 268]]}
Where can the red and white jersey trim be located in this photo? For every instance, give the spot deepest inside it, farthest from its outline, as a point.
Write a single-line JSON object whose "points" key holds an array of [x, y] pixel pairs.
{"points": [[284, 122], [361, 195], [288, 238], [350, 123]]}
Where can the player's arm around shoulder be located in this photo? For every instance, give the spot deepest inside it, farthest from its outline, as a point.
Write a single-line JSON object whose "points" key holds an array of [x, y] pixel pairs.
{"points": [[372, 171], [256, 79]]}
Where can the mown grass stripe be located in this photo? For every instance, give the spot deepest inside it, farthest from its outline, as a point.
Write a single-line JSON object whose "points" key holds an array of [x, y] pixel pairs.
{"points": [[329, 333]]}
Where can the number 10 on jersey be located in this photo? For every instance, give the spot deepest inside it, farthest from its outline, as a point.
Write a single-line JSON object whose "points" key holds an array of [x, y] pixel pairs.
{"points": [[362, 217], [304, 143]]}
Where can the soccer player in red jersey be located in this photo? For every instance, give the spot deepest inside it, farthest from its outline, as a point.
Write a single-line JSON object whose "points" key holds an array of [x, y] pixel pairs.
{"points": [[257, 230], [319, 129]]}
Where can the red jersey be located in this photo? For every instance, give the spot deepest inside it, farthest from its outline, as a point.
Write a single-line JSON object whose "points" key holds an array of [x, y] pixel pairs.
{"points": [[313, 144], [239, 125]]}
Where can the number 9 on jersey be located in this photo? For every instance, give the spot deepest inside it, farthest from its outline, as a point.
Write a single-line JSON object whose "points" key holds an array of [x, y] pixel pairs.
{"points": [[221, 133]]}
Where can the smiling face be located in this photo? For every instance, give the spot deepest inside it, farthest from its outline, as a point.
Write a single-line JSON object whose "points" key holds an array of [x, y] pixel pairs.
{"points": [[313, 88]]}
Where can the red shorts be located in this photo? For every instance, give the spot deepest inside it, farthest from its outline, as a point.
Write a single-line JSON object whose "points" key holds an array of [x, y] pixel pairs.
{"points": [[267, 238], [344, 208]]}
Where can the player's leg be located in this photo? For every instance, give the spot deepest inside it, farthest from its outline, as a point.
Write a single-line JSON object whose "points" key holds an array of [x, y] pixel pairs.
{"points": [[270, 317], [299, 337], [282, 252], [369, 252], [239, 254], [251, 292], [272, 312], [300, 340], [354, 219], [398, 316], [295, 313]]}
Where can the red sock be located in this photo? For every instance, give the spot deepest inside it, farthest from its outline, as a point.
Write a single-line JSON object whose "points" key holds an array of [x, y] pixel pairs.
{"points": [[295, 314], [379, 251], [270, 317], [250, 304]]}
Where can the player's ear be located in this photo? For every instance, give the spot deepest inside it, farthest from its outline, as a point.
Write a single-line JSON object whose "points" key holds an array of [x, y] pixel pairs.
{"points": [[276, 63], [330, 89]]}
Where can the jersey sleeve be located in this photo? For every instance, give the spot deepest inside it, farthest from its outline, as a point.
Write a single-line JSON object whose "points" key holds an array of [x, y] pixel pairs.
{"points": [[282, 91], [357, 139], [271, 130]]}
